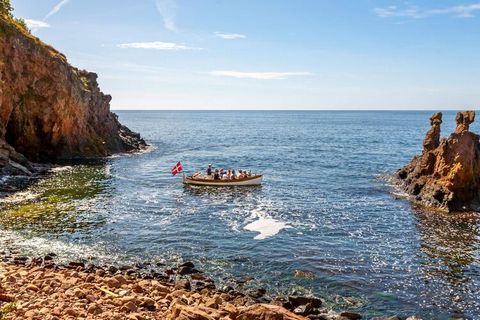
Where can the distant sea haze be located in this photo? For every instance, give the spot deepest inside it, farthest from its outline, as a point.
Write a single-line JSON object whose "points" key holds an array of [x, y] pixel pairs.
{"points": [[325, 207]]}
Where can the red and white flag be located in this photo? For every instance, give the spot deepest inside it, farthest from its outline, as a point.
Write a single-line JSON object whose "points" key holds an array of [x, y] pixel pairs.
{"points": [[176, 169]]}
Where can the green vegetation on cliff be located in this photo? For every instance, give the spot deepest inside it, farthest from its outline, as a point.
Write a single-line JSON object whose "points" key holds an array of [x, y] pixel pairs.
{"points": [[5, 8], [6, 13]]}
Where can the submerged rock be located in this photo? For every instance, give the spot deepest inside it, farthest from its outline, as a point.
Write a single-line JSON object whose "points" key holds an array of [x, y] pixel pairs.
{"points": [[446, 175], [304, 274], [49, 110]]}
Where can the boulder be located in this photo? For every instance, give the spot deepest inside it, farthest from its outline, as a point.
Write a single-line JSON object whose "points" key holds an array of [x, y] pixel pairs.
{"points": [[351, 315], [183, 312], [267, 312], [296, 301]]}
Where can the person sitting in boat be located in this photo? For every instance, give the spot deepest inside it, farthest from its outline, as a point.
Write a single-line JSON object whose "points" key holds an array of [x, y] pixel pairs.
{"points": [[234, 175], [216, 176], [241, 175], [209, 170], [228, 175]]}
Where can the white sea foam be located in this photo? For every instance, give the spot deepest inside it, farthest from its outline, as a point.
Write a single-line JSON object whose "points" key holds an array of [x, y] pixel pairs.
{"points": [[19, 197], [60, 169], [148, 149], [65, 250], [266, 227]]}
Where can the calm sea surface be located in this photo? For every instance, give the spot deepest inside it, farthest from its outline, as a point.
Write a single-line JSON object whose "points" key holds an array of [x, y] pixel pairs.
{"points": [[323, 207]]}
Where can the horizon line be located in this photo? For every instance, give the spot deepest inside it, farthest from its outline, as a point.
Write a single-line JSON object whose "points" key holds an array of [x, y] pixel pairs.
{"points": [[313, 110]]}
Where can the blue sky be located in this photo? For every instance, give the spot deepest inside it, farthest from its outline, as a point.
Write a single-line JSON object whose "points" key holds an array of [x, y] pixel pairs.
{"points": [[270, 54]]}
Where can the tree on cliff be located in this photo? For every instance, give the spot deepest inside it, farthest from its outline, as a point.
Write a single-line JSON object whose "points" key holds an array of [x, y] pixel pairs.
{"points": [[6, 12], [6, 8]]}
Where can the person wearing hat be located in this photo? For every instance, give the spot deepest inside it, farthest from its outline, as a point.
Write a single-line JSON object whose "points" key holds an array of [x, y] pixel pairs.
{"points": [[209, 170]]}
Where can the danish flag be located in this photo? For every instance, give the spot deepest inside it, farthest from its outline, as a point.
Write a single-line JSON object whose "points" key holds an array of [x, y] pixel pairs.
{"points": [[177, 168]]}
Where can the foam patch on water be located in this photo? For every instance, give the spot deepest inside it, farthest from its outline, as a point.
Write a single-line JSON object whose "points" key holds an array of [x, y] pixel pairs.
{"points": [[20, 197], [266, 227], [148, 149], [61, 169], [66, 251]]}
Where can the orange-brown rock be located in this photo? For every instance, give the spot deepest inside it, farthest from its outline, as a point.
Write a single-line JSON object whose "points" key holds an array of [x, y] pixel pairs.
{"points": [[447, 173], [464, 119], [50, 110], [267, 312], [432, 139], [98, 303]]}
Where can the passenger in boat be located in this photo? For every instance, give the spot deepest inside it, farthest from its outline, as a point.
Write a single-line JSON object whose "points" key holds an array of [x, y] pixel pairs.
{"points": [[228, 175], [216, 176], [209, 170], [241, 175], [234, 175]]}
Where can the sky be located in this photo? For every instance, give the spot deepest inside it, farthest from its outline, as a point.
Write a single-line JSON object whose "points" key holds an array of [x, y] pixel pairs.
{"points": [[270, 54]]}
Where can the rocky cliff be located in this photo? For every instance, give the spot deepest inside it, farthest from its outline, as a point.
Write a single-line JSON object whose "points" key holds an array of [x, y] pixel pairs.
{"points": [[447, 173], [49, 110]]}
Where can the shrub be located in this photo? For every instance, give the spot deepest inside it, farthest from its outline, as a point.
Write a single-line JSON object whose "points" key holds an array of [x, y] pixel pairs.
{"points": [[21, 23]]}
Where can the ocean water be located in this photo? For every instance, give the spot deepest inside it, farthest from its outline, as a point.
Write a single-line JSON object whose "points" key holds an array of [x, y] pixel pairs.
{"points": [[325, 207]]}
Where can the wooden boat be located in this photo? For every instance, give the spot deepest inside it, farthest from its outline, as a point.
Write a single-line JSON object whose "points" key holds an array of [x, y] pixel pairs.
{"points": [[249, 181]]}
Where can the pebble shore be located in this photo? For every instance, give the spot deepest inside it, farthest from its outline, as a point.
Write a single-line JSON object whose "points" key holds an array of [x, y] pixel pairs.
{"points": [[40, 289]]}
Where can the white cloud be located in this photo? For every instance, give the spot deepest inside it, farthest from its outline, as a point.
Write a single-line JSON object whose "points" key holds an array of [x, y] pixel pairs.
{"points": [[257, 75], [56, 9], [156, 45], [461, 11], [168, 11], [230, 36], [36, 24]]}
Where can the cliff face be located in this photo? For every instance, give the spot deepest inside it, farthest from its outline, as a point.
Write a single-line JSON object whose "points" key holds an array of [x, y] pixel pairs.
{"points": [[50, 110], [447, 173]]}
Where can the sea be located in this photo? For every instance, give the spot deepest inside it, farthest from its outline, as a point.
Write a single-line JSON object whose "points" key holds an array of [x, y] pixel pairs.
{"points": [[327, 209]]}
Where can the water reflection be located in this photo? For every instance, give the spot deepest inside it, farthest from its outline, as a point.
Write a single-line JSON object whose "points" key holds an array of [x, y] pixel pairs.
{"points": [[450, 244], [450, 263], [58, 204], [221, 191]]}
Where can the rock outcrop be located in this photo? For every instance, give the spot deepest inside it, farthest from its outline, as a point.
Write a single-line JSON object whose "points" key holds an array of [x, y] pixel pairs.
{"points": [[446, 175], [49, 110]]}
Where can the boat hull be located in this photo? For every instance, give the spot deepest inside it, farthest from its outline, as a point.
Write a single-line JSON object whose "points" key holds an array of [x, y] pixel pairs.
{"points": [[250, 181]]}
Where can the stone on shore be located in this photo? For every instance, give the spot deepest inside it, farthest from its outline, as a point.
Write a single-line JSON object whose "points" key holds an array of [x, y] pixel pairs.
{"points": [[267, 312], [63, 293], [37, 292]]}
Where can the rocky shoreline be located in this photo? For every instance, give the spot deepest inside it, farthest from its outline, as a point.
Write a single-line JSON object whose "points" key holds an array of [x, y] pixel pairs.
{"points": [[14, 182], [40, 288]]}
